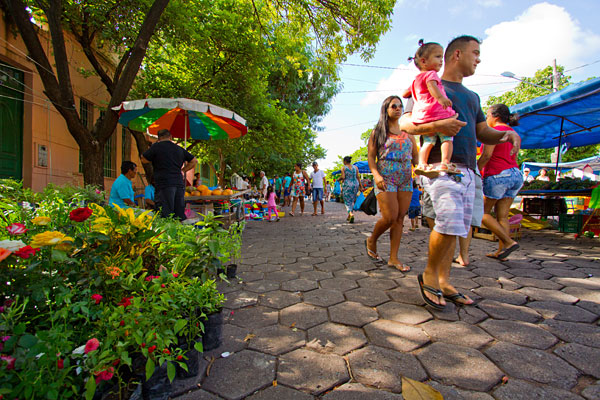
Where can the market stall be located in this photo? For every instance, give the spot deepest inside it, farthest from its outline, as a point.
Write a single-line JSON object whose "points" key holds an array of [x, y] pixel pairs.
{"points": [[229, 206]]}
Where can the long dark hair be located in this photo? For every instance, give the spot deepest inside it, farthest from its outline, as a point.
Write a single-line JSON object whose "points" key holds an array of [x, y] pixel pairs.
{"points": [[502, 112], [381, 129]]}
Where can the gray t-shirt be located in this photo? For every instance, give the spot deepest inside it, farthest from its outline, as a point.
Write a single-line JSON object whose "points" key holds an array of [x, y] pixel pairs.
{"points": [[467, 104], [317, 179]]}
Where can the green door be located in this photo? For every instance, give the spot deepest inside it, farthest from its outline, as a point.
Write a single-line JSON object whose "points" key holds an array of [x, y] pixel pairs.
{"points": [[11, 122]]}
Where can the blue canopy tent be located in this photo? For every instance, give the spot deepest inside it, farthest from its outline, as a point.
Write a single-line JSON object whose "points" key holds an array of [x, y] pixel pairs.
{"points": [[363, 168], [570, 116]]}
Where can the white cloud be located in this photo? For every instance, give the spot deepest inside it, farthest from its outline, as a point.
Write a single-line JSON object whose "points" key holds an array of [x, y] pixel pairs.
{"points": [[395, 84], [489, 3]]}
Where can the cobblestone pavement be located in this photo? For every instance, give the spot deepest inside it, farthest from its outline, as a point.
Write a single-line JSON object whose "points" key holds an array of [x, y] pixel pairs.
{"points": [[312, 317]]}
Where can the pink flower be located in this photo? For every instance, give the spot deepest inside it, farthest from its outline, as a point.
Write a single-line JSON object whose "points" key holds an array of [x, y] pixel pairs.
{"points": [[10, 361], [105, 375], [26, 252], [175, 274], [16, 229], [97, 298], [91, 345], [4, 338], [152, 277]]}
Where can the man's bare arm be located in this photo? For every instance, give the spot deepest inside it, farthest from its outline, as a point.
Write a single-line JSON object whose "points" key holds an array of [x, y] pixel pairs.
{"points": [[189, 165], [447, 127], [487, 135]]}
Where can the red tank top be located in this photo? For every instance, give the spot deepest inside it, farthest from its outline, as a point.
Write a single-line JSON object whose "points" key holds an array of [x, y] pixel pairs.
{"points": [[501, 159]]}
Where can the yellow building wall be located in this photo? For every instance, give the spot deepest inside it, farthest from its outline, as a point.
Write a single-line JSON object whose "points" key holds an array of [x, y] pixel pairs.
{"points": [[43, 125]]}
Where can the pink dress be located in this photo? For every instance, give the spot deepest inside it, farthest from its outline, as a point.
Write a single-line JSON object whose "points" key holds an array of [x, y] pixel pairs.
{"points": [[272, 204], [427, 108]]}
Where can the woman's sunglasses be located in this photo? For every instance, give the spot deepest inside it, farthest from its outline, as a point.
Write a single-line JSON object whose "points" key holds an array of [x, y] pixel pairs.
{"points": [[395, 106]]}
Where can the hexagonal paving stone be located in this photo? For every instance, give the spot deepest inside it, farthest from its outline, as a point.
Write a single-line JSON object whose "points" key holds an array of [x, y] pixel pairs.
{"points": [[276, 340], [250, 276], [386, 273], [459, 333], [562, 312], [501, 295], [244, 373], [405, 313], [583, 294], [592, 392], [254, 317], [375, 283], [281, 276], [498, 310], [280, 392], [198, 395], [396, 336], [452, 393], [341, 284], [382, 368], [460, 366], [356, 391], [586, 359], [406, 294], [491, 273], [586, 283], [299, 267], [323, 297], [303, 316], [262, 286], [352, 274], [279, 299], [352, 313], [471, 315], [316, 275], [299, 285], [519, 332], [367, 296], [311, 371], [517, 389], [240, 299], [266, 268], [530, 273], [330, 266], [585, 334], [564, 272], [548, 295], [538, 283], [233, 340], [335, 338], [532, 364]]}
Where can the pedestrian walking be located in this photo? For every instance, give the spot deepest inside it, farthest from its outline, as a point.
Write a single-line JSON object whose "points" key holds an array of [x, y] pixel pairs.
{"points": [[318, 180], [263, 185], [299, 181], [350, 186], [272, 204], [414, 209], [287, 189], [391, 152]]}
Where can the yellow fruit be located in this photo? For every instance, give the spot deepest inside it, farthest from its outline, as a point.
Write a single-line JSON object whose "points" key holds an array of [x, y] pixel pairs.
{"points": [[196, 193], [187, 194], [227, 192], [202, 188], [217, 192], [206, 192], [190, 189]]}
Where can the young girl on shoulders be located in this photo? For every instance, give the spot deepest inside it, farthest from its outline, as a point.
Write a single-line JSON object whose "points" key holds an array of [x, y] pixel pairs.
{"points": [[431, 104]]}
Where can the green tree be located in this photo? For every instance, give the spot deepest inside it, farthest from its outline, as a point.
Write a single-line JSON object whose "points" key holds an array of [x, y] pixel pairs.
{"points": [[525, 92], [102, 28]]}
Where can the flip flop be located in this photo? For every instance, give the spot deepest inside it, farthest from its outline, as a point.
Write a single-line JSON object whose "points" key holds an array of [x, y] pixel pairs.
{"points": [[459, 263], [291, 214], [372, 255], [508, 251], [455, 297], [351, 220], [400, 267], [426, 288]]}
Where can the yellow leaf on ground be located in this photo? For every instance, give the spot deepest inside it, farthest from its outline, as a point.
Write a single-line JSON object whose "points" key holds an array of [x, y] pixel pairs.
{"points": [[274, 383], [414, 390], [249, 336]]}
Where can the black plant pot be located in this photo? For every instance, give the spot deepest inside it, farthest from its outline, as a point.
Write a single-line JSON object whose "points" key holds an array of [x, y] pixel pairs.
{"points": [[213, 331], [158, 386], [192, 362], [231, 271]]}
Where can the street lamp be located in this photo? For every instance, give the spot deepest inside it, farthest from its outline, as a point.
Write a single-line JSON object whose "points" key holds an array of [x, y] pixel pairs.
{"points": [[508, 74]]}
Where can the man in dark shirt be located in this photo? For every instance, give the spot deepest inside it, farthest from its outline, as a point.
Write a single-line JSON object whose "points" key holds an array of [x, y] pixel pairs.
{"points": [[453, 197], [169, 162]]}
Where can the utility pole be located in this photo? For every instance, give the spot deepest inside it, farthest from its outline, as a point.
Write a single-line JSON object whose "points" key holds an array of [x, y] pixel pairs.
{"points": [[555, 82]]}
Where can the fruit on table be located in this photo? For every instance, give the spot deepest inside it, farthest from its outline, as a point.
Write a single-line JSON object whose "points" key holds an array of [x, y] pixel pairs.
{"points": [[227, 192], [190, 189], [202, 188], [217, 192]]}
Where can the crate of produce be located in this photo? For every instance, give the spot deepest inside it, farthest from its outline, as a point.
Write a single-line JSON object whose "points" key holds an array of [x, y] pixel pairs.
{"points": [[570, 223]]}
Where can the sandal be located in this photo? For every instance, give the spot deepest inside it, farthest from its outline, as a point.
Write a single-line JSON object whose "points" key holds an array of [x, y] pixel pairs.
{"points": [[454, 298], [506, 252], [436, 292], [400, 267], [351, 220], [450, 169], [427, 171], [372, 255], [291, 214]]}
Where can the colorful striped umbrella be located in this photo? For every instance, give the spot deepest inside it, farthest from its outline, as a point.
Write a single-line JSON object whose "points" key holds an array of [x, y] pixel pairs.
{"points": [[185, 118]]}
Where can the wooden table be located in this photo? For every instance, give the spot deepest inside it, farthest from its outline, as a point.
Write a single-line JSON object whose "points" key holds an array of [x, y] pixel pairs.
{"points": [[204, 204]]}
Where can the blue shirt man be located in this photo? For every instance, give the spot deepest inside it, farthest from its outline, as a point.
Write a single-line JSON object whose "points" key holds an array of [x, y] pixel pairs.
{"points": [[121, 192]]}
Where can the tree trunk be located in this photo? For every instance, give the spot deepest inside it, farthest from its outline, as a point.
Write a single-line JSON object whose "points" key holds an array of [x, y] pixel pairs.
{"points": [[93, 165], [142, 145]]}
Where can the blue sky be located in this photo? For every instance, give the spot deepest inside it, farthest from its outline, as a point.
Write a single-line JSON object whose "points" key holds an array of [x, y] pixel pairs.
{"points": [[518, 36]]}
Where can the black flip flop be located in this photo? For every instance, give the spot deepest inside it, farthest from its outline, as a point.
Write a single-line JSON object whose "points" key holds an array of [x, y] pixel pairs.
{"points": [[507, 252], [377, 258], [455, 297], [426, 288]]}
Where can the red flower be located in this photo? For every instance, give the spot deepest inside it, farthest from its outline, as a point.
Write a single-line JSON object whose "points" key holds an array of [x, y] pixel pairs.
{"points": [[16, 229], [167, 351], [91, 345], [116, 362], [10, 361], [143, 345], [80, 214], [163, 285], [97, 298], [151, 349], [125, 301], [104, 375], [26, 252], [60, 363], [175, 274], [122, 323], [179, 358]]}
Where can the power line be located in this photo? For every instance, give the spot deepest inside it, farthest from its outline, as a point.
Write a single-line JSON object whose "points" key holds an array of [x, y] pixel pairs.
{"points": [[349, 126]]}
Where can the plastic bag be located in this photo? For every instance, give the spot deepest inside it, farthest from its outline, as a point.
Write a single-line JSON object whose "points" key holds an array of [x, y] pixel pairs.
{"points": [[359, 200], [369, 206]]}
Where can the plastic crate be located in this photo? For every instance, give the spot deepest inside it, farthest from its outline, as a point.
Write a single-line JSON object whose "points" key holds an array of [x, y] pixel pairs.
{"points": [[555, 206], [533, 205], [570, 223]]}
